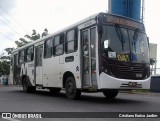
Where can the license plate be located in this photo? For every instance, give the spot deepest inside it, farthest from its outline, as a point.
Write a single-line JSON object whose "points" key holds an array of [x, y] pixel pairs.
{"points": [[132, 84]]}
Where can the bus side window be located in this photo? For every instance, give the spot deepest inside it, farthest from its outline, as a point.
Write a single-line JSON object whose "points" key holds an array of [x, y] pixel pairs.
{"points": [[30, 54], [71, 41], [58, 45], [21, 57], [48, 48]]}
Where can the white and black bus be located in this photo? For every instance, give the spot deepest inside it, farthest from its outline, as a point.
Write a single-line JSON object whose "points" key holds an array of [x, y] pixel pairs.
{"points": [[102, 53]]}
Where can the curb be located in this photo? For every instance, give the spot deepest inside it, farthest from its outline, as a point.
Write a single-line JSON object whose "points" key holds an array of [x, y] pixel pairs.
{"points": [[142, 93]]}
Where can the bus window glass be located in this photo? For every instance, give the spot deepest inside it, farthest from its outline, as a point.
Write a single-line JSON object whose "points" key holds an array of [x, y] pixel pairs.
{"points": [[71, 41], [39, 51], [48, 48], [70, 35], [57, 40], [21, 57], [30, 54], [93, 42], [58, 45]]}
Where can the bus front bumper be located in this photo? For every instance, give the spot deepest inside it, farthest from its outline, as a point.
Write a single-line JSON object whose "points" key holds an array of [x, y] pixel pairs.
{"points": [[109, 82]]}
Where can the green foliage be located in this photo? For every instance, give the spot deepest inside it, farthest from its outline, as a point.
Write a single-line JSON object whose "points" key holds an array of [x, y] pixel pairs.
{"points": [[22, 42], [4, 68], [5, 63], [5, 58], [35, 36], [9, 50], [45, 33]]}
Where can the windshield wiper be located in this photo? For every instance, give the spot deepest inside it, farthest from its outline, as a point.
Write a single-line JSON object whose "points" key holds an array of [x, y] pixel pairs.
{"points": [[120, 35]]}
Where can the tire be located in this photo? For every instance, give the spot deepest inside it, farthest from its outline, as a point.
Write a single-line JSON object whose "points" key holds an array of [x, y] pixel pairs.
{"points": [[25, 85], [54, 91], [26, 88], [71, 90], [110, 93]]}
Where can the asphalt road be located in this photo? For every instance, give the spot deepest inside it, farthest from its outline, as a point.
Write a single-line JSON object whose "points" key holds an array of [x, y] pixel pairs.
{"points": [[13, 99]]}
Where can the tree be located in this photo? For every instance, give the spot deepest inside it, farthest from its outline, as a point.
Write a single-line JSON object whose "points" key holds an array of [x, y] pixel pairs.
{"points": [[9, 50], [21, 42], [4, 68], [34, 36], [5, 62], [7, 57], [45, 33]]}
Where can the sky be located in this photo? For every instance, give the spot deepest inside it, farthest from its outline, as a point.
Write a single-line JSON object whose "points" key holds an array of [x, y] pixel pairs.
{"points": [[20, 17]]}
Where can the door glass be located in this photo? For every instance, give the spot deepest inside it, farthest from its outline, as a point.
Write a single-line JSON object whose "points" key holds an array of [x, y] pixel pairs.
{"points": [[85, 51], [93, 55], [16, 69], [39, 51]]}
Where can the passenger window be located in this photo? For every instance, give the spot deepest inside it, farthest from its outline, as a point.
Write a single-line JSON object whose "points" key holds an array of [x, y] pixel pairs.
{"points": [[58, 47], [71, 41], [21, 57], [48, 48], [30, 54]]}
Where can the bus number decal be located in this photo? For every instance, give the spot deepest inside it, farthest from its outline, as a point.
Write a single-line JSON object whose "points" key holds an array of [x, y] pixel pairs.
{"points": [[123, 57]]}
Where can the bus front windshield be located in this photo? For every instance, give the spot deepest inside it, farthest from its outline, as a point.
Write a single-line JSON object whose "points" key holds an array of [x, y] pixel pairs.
{"points": [[125, 41]]}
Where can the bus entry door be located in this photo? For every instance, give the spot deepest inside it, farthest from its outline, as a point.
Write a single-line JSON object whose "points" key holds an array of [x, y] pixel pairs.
{"points": [[88, 41], [38, 65]]}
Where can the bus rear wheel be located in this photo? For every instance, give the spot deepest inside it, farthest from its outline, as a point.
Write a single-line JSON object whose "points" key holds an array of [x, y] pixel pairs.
{"points": [[110, 93], [26, 88], [71, 90]]}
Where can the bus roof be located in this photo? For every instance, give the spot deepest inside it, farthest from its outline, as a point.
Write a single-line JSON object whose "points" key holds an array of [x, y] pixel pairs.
{"points": [[71, 26], [52, 34]]}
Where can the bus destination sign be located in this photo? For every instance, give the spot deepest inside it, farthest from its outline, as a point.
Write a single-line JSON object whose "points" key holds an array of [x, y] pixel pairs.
{"points": [[123, 21]]}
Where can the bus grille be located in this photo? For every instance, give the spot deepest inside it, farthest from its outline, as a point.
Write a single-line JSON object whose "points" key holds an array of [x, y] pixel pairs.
{"points": [[126, 69]]}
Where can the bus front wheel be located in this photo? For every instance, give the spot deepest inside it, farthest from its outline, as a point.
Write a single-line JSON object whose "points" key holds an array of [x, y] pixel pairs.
{"points": [[71, 90], [110, 93]]}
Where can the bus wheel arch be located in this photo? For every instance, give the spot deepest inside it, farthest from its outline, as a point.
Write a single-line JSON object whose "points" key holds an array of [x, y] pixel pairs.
{"points": [[65, 76], [25, 83], [70, 86], [27, 88]]}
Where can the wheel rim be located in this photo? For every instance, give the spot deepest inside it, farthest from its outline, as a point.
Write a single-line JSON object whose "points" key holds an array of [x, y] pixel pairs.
{"points": [[70, 88]]}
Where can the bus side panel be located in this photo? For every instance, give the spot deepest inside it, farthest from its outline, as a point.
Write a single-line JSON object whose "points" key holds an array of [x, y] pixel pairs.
{"points": [[73, 66], [30, 72], [54, 68], [51, 70]]}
